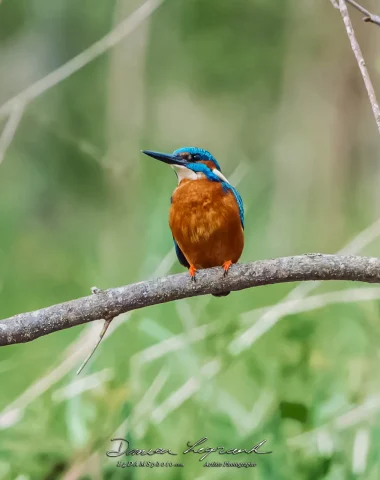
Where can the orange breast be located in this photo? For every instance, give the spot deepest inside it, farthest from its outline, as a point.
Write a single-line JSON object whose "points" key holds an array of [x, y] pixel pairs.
{"points": [[205, 222]]}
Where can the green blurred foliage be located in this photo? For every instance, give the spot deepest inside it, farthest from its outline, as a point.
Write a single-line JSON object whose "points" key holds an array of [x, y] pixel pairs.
{"points": [[272, 90]]}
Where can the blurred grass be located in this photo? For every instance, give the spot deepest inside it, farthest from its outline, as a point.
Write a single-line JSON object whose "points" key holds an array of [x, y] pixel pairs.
{"points": [[274, 89]]}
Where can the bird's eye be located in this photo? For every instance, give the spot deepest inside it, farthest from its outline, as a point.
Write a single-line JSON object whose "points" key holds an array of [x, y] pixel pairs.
{"points": [[196, 156]]}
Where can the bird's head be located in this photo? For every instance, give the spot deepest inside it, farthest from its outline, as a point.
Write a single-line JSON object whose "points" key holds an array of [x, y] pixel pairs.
{"points": [[191, 163]]}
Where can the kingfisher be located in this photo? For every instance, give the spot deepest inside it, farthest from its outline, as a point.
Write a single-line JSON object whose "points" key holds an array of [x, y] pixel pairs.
{"points": [[206, 215]]}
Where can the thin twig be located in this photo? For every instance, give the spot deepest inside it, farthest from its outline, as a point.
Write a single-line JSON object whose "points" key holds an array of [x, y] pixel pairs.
{"points": [[369, 17], [359, 58], [123, 29], [10, 128], [107, 323], [111, 303]]}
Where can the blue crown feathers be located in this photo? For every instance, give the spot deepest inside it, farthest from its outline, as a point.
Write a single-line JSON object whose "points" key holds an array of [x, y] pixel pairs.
{"points": [[200, 152]]}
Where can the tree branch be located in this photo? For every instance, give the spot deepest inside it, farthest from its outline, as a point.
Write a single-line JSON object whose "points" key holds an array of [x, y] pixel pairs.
{"points": [[359, 56], [369, 17], [107, 304]]}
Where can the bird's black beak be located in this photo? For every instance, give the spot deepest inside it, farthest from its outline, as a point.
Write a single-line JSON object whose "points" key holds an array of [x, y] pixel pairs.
{"points": [[165, 157]]}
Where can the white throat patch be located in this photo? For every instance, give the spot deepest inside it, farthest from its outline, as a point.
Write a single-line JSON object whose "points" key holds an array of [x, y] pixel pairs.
{"points": [[183, 172]]}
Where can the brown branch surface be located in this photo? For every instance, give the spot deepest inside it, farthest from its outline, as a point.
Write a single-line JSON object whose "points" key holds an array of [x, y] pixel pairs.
{"points": [[359, 56], [107, 304]]}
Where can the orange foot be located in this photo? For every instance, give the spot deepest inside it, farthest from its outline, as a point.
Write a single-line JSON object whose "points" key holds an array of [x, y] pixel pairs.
{"points": [[192, 271], [226, 266]]}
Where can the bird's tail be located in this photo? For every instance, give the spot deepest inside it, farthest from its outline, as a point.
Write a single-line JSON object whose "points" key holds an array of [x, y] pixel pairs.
{"points": [[223, 294]]}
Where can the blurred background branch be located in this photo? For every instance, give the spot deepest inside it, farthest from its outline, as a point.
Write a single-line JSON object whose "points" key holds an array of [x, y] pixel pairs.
{"points": [[358, 53], [369, 17], [107, 304], [121, 30], [10, 128]]}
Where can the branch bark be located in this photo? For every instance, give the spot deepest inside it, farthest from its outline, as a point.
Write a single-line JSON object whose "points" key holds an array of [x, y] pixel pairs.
{"points": [[107, 304]]}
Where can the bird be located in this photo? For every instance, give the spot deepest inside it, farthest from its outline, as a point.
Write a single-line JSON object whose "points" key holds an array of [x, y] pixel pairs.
{"points": [[206, 214]]}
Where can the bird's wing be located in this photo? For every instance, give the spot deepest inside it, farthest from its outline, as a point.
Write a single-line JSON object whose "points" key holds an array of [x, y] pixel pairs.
{"points": [[228, 187], [181, 257]]}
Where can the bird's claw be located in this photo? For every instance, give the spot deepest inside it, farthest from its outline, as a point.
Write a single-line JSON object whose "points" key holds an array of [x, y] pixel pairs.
{"points": [[192, 271], [226, 267]]}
